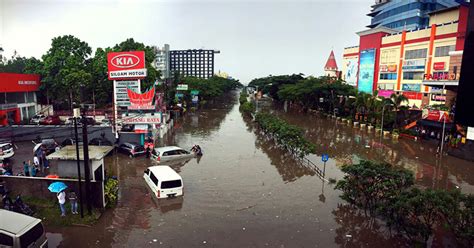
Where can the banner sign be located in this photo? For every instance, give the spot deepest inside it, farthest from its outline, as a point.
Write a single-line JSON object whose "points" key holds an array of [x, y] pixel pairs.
{"points": [[194, 92], [126, 65], [388, 68], [414, 65], [121, 95], [440, 76], [145, 119], [438, 66], [435, 115], [470, 133], [140, 101], [438, 98], [385, 93], [413, 95], [411, 87], [182, 87], [351, 71], [436, 90], [366, 71]]}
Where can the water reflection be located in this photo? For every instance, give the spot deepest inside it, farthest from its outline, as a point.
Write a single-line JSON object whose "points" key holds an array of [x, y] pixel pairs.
{"points": [[357, 230]]}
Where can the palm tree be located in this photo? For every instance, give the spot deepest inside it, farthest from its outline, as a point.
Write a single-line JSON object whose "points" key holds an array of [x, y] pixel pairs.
{"points": [[397, 102]]}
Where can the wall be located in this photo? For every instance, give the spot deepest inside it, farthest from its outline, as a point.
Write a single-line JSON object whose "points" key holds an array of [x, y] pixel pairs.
{"points": [[59, 133], [38, 187], [372, 41], [444, 17]]}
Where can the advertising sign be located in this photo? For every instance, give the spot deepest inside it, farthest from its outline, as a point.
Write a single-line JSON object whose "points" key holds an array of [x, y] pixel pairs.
{"points": [[142, 119], [436, 90], [438, 98], [411, 87], [126, 65], [436, 115], [194, 92], [13, 82], [385, 93], [413, 95], [182, 87], [139, 101], [414, 65], [470, 133], [388, 68], [351, 71], [366, 71], [438, 66], [121, 93], [440, 76]]}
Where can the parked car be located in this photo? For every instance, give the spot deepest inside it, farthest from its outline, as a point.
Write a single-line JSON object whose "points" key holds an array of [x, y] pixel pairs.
{"points": [[169, 153], [50, 120], [6, 150], [100, 142], [37, 118], [106, 123], [69, 121], [131, 149], [48, 145], [163, 181], [70, 142], [127, 128], [90, 121], [19, 230]]}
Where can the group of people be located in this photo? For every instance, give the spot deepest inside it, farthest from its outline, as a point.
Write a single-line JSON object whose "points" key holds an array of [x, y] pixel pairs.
{"points": [[62, 202], [197, 150]]}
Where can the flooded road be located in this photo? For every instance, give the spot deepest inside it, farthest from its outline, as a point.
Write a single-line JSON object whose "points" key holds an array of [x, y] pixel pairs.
{"points": [[246, 192]]}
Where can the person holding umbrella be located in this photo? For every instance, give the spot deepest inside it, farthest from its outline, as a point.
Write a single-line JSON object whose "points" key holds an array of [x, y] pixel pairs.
{"points": [[59, 188]]}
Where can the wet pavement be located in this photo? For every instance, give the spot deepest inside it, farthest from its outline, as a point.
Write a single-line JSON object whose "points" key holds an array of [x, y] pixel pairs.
{"points": [[246, 192]]}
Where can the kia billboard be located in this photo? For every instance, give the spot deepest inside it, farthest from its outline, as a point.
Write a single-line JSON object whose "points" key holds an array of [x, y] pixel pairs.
{"points": [[366, 70], [126, 65]]}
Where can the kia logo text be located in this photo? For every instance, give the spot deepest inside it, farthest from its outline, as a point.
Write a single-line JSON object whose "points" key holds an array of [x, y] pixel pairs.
{"points": [[125, 60]]}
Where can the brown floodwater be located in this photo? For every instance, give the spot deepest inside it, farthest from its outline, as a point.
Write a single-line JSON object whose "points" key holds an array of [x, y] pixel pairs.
{"points": [[246, 192]]}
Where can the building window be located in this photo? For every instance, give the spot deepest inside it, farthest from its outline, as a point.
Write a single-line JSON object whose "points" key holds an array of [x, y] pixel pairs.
{"points": [[416, 54], [388, 76], [443, 51], [413, 75]]}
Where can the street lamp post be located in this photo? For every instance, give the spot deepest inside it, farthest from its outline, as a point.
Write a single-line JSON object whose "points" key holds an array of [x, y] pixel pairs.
{"points": [[444, 121]]}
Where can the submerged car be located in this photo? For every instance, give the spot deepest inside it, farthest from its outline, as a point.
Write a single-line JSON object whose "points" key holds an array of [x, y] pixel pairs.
{"points": [[6, 150], [169, 153], [19, 230], [163, 181], [131, 149]]}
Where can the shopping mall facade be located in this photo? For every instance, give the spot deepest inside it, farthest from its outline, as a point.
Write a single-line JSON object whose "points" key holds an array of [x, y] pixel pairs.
{"points": [[416, 63]]}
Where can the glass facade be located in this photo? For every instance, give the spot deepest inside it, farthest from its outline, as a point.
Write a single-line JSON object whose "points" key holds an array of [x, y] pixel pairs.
{"points": [[406, 14]]}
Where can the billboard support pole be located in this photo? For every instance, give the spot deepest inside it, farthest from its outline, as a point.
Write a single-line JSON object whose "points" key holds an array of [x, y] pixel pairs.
{"points": [[115, 109]]}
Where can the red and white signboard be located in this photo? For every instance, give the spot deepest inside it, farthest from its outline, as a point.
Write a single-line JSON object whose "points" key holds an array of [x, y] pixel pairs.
{"points": [[14, 82], [141, 101], [142, 119], [126, 65], [436, 115], [438, 66]]}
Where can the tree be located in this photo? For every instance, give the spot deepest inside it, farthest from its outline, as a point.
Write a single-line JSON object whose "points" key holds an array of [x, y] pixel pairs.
{"points": [[66, 68], [396, 102]]}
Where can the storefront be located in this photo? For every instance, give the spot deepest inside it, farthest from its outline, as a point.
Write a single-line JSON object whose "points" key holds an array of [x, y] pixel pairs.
{"points": [[18, 102]]}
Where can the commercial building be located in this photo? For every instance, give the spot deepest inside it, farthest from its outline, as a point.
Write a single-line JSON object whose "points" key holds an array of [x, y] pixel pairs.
{"points": [[162, 60], [406, 14], [330, 68], [196, 62], [18, 97], [416, 63]]}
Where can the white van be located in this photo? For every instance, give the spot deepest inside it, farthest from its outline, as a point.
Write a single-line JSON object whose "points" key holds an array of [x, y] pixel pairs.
{"points": [[163, 181], [19, 230]]}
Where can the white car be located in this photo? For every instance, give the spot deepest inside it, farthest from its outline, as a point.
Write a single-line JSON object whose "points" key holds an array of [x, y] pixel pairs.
{"points": [[169, 153], [6, 151], [163, 181], [19, 230], [37, 118]]}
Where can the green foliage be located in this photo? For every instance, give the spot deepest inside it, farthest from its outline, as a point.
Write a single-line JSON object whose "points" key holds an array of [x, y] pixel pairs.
{"points": [[111, 191], [210, 88], [247, 108], [388, 192], [243, 96], [288, 136]]}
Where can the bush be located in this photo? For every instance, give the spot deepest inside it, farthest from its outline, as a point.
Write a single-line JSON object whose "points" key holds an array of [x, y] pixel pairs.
{"points": [[247, 108], [111, 191]]}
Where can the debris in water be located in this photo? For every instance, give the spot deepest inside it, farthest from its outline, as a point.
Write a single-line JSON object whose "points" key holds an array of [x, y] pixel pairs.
{"points": [[155, 240], [348, 236], [243, 228], [204, 242]]}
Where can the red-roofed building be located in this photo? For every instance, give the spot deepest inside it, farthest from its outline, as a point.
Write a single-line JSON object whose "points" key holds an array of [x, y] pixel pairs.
{"points": [[330, 69], [18, 97]]}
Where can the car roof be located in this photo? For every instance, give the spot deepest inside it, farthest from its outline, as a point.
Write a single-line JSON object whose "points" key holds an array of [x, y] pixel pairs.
{"points": [[167, 148], [164, 173], [15, 223]]}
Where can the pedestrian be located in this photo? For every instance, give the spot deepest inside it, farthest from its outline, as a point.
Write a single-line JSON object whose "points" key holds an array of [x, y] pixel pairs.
{"points": [[73, 200], [62, 202], [43, 159], [148, 151], [36, 162], [46, 163], [34, 170], [26, 169]]}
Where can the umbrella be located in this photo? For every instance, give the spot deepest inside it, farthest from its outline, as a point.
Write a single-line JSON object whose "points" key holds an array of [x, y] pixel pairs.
{"points": [[57, 187]]}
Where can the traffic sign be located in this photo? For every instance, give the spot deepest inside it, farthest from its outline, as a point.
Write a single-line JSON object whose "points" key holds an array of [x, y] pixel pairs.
{"points": [[325, 157], [182, 87], [194, 92]]}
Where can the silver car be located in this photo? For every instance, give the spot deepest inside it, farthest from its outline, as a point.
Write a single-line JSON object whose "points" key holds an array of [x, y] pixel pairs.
{"points": [[19, 230], [169, 153]]}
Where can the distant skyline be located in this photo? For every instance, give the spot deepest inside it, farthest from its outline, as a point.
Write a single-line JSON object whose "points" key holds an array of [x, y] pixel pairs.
{"points": [[256, 38]]}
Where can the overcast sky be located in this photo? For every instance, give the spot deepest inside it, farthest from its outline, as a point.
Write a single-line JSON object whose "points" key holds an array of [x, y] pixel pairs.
{"points": [[256, 38]]}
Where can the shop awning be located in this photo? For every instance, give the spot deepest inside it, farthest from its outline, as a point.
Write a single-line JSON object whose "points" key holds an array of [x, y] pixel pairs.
{"points": [[435, 124]]}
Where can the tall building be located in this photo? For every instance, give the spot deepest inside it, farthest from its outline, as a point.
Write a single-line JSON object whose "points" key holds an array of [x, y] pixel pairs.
{"points": [[406, 14], [162, 59], [416, 63], [330, 69], [193, 62]]}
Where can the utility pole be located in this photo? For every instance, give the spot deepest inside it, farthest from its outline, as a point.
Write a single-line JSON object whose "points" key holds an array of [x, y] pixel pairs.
{"points": [[87, 173], [77, 114]]}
